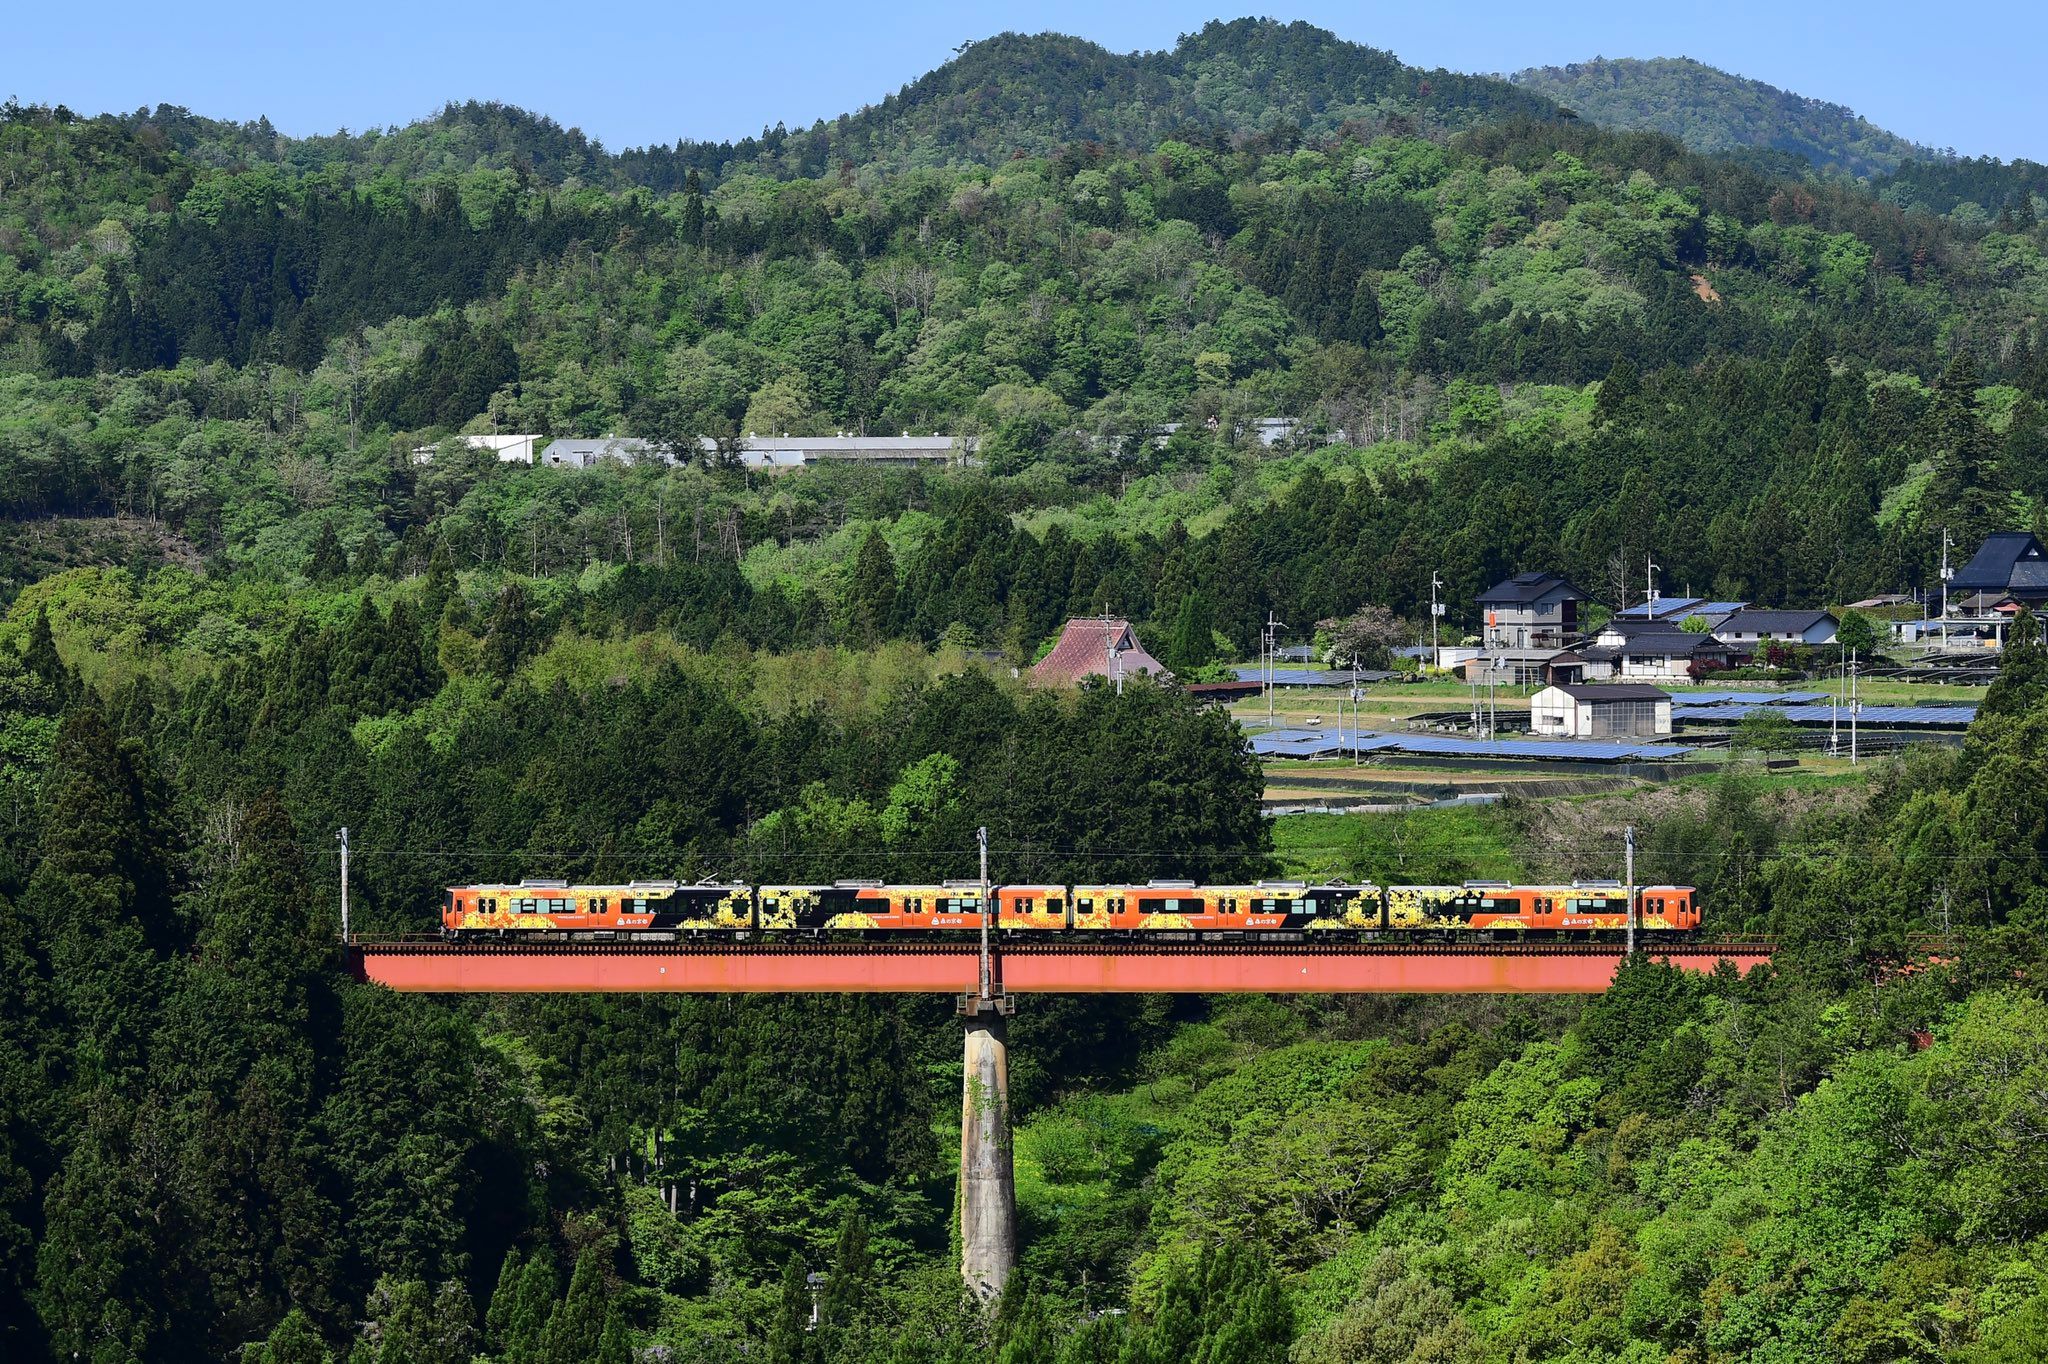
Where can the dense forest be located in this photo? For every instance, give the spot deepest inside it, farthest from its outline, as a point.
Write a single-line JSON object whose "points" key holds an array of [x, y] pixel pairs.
{"points": [[1713, 111], [238, 611]]}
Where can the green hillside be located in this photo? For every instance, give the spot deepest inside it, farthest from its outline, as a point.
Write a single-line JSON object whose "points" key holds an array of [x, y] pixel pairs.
{"points": [[1006, 95], [1715, 111]]}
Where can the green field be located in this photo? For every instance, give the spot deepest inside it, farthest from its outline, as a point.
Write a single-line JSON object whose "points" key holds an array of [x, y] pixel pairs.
{"points": [[1452, 843]]}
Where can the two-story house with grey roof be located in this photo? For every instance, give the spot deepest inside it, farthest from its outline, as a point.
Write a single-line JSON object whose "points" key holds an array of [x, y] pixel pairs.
{"points": [[1530, 611]]}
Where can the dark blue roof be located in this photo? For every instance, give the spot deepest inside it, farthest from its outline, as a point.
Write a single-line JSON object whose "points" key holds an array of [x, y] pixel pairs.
{"points": [[1758, 622], [1525, 588], [1991, 568]]}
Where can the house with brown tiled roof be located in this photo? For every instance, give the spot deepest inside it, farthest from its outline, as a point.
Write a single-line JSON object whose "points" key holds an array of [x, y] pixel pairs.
{"points": [[1096, 646]]}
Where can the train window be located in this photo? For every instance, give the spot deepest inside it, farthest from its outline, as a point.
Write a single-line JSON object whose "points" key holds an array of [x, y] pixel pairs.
{"points": [[639, 904], [1306, 906], [1084, 906], [1266, 906], [1055, 903]]}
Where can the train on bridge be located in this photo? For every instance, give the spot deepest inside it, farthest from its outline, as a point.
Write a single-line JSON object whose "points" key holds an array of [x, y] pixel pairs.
{"points": [[1158, 911]]}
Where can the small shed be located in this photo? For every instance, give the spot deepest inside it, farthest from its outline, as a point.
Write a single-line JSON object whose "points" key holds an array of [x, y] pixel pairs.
{"points": [[1595, 711]]}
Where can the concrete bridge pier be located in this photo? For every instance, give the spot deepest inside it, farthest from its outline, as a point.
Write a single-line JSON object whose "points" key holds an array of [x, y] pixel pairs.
{"points": [[988, 1182]]}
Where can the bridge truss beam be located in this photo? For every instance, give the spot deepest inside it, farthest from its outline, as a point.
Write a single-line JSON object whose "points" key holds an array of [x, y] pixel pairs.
{"points": [[945, 968]]}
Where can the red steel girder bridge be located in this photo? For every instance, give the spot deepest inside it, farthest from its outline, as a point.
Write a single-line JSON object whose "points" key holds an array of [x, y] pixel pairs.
{"points": [[435, 967]]}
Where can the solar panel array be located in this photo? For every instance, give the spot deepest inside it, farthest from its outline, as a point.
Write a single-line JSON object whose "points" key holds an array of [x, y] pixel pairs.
{"points": [[1956, 716], [1308, 743], [1753, 698], [1662, 606], [1312, 677]]}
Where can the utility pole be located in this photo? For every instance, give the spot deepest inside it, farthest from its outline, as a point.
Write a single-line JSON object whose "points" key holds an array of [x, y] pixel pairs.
{"points": [[1946, 541], [1650, 567], [1273, 626], [1355, 721], [1833, 707], [1436, 613], [1630, 843], [344, 883], [1854, 706]]}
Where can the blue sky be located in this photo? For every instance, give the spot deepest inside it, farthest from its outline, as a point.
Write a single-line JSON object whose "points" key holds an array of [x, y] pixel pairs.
{"points": [[631, 73]]}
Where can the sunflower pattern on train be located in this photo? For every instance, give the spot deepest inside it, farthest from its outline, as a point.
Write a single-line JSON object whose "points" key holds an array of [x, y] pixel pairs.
{"points": [[1166, 910]]}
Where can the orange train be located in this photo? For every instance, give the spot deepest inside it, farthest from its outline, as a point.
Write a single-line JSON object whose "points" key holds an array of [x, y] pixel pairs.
{"points": [[1273, 911]]}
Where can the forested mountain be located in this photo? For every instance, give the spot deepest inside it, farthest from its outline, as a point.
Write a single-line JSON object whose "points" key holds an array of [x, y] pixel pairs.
{"points": [[238, 609], [1009, 95], [1715, 111]]}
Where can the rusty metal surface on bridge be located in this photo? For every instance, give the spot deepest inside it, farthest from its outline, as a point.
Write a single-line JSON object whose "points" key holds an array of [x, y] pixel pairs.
{"points": [[946, 968]]}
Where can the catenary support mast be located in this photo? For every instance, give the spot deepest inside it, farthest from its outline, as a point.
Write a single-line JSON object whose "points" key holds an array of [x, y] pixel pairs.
{"points": [[343, 835]]}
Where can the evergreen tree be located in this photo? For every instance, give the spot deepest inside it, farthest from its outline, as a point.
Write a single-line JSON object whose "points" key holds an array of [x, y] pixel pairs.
{"points": [[292, 1341], [1022, 1332], [789, 1329], [369, 559], [615, 1346], [2022, 682], [871, 595], [327, 563], [504, 1303], [531, 1310], [39, 655], [451, 1331], [101, 893], [1230, 1308], [1618, 391], [440, 584], [511, 634], [849, 1285], [577, 1323], [1964, 496], [1192, 642]]}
